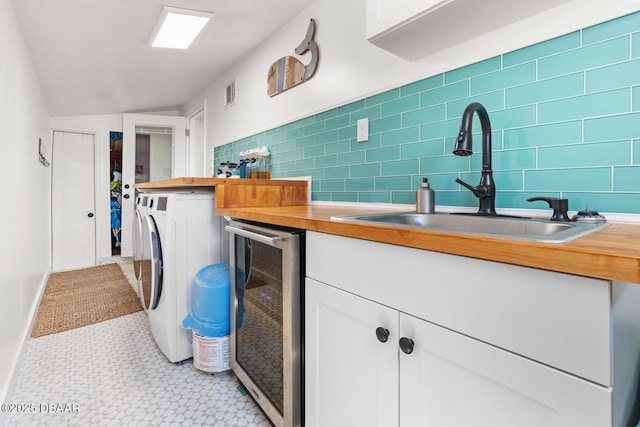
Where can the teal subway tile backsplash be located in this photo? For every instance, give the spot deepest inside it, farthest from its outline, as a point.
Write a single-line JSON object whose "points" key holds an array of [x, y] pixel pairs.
{"points": [[635, 45], [424, 115], [593, 105], [401, 105], [401, 136], [584, 58], [445, 93], [361, 184], [542, 135], [565, 118], [482, 67], [422, 85], [540, 50], [575, 179], [626, 178], [614, 28], [612, 127], [382, 154], [359, 171], [512, 76], [544, 90], [605, 201], [604, 154], [614, 76], [383, 97]]}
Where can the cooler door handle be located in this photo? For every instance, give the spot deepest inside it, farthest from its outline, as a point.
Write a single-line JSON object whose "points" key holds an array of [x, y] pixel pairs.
{"points": [[251, 235]]}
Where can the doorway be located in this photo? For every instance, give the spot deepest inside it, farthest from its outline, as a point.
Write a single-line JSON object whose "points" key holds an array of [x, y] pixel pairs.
{"points": [[196, 147], [115, 188], [73, 223], [153, 149]]}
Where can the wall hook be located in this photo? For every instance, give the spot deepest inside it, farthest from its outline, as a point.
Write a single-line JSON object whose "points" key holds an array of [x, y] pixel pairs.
{"points": [[43, 159]]}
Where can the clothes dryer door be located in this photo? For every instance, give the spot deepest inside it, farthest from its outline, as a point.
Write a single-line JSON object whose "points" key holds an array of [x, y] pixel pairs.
{"points": [[137, 247], [151, 264]]}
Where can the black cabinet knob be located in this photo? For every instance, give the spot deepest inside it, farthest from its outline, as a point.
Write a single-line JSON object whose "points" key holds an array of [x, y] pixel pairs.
{"points": [[127, 186], [406, 345], [90, 214], [382, 334], [126, 196]]}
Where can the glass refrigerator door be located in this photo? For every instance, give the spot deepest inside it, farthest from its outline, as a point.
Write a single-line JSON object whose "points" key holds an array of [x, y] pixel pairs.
{"points": [[259, 317]]}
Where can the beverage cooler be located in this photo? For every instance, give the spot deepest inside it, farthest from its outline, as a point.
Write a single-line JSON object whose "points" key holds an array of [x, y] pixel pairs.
{"points": [[267, 302]]}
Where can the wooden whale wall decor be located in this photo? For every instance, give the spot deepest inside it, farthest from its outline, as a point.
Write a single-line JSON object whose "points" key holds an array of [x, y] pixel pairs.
{"points": [[288, 71]]}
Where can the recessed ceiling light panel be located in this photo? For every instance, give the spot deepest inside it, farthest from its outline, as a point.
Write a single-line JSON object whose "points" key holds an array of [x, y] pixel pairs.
{"points": [[177, 28]]}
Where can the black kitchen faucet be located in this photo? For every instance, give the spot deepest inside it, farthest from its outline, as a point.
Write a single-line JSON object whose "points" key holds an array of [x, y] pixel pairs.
{"points": [[485, 191]]}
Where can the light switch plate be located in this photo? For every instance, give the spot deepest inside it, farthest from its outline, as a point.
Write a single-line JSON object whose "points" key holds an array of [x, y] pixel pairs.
{"points": [[363, 130]]}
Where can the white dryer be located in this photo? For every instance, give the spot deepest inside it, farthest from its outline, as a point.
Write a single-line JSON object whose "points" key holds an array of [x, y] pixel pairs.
{"points": [[180, 235], [142, 209]]}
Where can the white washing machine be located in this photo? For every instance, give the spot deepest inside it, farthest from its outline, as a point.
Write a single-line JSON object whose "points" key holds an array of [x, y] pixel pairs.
{"points": [[180, 235]]}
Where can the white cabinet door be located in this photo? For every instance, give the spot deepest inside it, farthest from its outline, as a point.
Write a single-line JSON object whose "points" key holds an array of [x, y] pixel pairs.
{"points": [[450, 380], [413, 29], [383, 15], [351, 378]]}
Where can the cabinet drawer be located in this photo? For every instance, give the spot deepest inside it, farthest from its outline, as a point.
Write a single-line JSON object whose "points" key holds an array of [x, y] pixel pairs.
{"points": [[558, 319]]}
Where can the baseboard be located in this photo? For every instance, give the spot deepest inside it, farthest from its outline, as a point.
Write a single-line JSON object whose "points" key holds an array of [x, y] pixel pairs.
{"points": [[7, 389]]}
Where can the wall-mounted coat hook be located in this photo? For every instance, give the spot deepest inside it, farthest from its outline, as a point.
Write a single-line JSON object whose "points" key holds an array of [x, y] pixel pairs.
{"points": [[43, 159]]}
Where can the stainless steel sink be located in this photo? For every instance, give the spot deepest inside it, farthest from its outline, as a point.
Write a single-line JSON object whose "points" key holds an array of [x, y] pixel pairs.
{"points": [[497, 226]]}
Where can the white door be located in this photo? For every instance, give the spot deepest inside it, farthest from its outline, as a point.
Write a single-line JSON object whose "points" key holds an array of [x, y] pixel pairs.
{"points": [[197, 148], [73, 201], [170, 161], [351, 375], [450, 380]]}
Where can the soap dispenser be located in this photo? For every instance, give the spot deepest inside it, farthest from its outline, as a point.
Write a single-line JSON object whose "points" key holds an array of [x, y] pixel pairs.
{"points": [[425, 198]]}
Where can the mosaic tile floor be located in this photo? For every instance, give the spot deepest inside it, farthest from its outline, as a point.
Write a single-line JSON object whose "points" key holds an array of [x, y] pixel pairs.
{"points": [[113, 374]]}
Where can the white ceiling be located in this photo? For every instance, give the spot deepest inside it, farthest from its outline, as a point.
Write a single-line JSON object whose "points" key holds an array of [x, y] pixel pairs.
{"points": [[93, 56]]}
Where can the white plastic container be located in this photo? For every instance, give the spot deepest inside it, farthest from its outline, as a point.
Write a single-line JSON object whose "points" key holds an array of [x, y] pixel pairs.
{"points": [[211, 354], [208, 318]]}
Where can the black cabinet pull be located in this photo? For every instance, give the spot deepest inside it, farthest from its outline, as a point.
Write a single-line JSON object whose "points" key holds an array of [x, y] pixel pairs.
{"points": [[90, 214], [382, 334], [126, 196], [406, 345]]}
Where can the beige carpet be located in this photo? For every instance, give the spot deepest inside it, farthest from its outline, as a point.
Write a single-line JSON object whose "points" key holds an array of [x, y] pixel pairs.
{"points": [[81, 297]]}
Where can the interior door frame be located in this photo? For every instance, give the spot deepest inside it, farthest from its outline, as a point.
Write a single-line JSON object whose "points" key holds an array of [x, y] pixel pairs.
{"points": [[178, 165], [95, 190], [194, 139]]}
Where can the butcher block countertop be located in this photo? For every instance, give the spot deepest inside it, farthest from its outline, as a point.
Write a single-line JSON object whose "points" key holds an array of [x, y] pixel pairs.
{"points": [[612, 253], [233, 193]]}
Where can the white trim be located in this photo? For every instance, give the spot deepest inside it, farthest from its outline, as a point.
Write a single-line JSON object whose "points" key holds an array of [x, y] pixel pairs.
{"points": [[7, 389]]}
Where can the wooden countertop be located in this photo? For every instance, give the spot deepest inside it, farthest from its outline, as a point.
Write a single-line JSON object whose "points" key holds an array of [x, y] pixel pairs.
{"points": [[233, 193], [612, 253], [189, 182]]}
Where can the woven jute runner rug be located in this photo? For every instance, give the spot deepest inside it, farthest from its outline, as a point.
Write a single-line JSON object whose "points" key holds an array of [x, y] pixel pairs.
{"points": [[82, 297]]}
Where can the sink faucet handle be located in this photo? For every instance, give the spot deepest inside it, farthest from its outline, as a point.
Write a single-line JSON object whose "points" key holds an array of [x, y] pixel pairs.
{"points": [[479, 191], [559, 206]]}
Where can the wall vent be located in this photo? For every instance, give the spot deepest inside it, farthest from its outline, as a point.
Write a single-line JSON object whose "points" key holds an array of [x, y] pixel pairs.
{"points": [[230, 94]]}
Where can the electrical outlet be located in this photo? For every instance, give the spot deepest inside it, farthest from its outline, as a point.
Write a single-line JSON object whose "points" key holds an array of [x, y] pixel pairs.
{"points": [[363, 130]]}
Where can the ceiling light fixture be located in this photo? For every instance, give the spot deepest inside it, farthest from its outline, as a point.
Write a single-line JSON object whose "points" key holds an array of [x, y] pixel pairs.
{"points": [[177, 28]]}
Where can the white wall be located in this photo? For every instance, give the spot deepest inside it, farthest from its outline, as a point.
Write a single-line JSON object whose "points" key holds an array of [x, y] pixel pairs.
{"points": [[350, 68], [25, 216], [100, 126]]}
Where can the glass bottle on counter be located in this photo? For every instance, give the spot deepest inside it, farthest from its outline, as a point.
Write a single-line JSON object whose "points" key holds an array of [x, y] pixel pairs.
{"points": [[262, 166], [243, 164]]}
